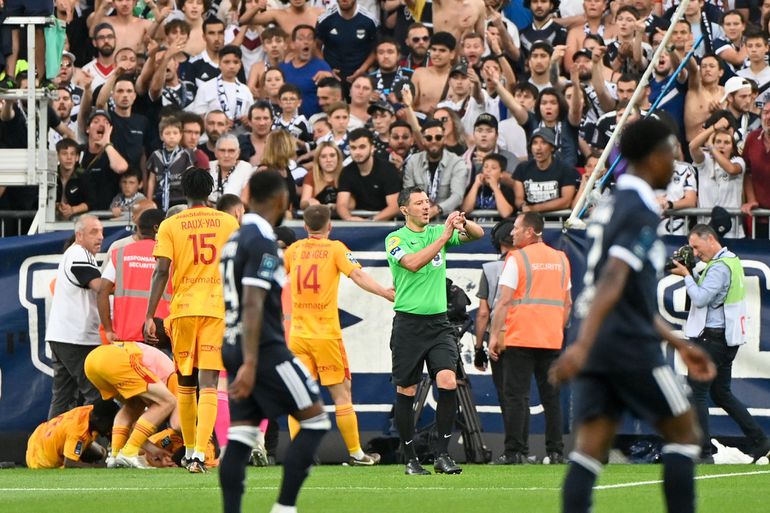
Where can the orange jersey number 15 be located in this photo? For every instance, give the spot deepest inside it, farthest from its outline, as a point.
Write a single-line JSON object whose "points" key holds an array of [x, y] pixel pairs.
{"points": [[309, 280], [203, 252]]}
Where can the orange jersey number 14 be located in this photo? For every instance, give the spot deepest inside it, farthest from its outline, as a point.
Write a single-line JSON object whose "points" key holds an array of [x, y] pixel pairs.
{"points": [[309, 280]]}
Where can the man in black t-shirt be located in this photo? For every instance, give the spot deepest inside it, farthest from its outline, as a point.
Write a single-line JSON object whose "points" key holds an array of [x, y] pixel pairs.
{"points": [[372, 184], [102, 162], [544, 183], [616, 360]]}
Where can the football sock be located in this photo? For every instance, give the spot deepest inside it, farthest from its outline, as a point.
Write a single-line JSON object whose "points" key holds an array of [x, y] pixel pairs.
{"points": [[446, 410], [579, 483], [207, 416], [299, 457], [347, 423], [232, 475], [293, 427], [142, 431], [263, 425], [222, 423], [404, 420], [678, 471], [119, 438], [188, 412]]}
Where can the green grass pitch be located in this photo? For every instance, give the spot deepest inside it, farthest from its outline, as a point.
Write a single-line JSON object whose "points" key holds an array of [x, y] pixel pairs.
{"points": [[338, 489]]}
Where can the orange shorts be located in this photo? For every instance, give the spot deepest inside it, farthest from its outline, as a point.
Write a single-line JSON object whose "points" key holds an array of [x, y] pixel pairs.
{"points": [[326, 359], [117, 371], [196, 342]]}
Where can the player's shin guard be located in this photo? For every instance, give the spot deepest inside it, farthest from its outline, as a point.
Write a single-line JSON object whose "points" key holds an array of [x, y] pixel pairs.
{"points": [[188, 413], [678, 472], [404, 420], [232, 468], [299, 457], [142, 431], [207, 416], [579, 483], [446, 411], [223, 417], [119, 438], [347, 423]]}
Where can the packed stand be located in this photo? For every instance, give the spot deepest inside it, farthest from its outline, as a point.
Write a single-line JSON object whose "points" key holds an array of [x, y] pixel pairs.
{"points": [[490, 106]]}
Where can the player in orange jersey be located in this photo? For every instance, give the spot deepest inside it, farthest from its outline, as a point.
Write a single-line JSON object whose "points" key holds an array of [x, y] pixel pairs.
{"points": [[136, 374], [314, 266], [68, 440], [192, 240]]}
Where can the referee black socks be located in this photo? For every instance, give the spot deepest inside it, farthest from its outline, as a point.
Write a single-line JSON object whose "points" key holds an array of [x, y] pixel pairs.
{"points": [[446, 411], [404, 420]]}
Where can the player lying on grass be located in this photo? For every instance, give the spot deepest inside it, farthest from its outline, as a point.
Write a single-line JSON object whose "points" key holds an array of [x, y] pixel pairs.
{"points": [[136, 375], [314, 266], [68, 440]]}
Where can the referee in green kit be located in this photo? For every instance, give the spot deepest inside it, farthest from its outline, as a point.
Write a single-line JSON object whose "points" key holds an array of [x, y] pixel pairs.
{"points": [[421, 329]]}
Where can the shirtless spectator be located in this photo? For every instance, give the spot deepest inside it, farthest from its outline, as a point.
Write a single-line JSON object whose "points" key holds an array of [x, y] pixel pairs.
{"points": [[704, 95], [253, 144], [595, 24], [274, 41], [458, 17], [130, 30], [193, 11], [430, 82], [299, 12]]}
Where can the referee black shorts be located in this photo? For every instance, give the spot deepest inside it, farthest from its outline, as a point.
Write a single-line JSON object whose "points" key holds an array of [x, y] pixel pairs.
{"points": [[417, 339]]}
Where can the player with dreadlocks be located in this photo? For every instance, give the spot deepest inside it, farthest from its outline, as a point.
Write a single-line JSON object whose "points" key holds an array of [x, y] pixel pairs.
{"points": [[192, 241]]}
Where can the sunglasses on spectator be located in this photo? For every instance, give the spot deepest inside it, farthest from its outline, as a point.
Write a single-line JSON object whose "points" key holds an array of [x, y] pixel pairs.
{"points": [[437, 137], [417, 39]]}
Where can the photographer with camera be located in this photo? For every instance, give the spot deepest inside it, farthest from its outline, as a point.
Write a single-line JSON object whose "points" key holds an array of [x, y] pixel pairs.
{"points": [[717, 323], [534, 306]]}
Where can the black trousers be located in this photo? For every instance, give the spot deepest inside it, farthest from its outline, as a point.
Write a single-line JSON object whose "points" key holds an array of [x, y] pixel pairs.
{"points": [[69, 378], [713, 342], [519, 364]]}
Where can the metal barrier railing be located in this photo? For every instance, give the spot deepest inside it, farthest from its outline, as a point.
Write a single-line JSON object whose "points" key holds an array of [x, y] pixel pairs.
{"points": [[15, 222]]}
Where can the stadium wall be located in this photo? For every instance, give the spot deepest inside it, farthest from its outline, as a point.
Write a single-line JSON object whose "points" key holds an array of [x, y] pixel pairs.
{"points": [[28, 265]]}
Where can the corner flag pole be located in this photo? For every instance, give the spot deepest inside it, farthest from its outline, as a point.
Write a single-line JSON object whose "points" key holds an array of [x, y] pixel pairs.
{"points": [[574, 219]]}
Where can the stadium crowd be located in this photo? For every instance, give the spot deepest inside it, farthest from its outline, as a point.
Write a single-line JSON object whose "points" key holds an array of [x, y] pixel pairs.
{"points": [[503, 107]]}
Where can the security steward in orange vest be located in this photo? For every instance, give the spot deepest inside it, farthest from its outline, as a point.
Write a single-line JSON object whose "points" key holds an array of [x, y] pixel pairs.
{"points": [[127, 276], [534, 306]]}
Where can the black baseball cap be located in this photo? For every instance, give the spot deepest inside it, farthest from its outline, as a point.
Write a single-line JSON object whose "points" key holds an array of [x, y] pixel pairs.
{"points": [[583, 52], [99, 112], [380, 105], [460, 68], [486, 119]]}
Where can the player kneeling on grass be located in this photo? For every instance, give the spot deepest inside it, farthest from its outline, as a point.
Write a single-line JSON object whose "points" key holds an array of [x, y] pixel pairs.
{"points": [[314, 266], [267, 381], [68, 440], [135, 374]]}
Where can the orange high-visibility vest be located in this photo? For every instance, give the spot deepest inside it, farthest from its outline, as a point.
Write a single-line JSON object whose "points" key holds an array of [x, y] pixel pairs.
{"points": [[134, 265], [536, 316]]}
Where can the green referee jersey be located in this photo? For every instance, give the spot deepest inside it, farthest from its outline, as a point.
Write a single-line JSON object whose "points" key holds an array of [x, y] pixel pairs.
{"points": [[422, 292]]}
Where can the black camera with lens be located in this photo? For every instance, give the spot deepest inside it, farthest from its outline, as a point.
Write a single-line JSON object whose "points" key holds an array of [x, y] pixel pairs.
{"points": [[684, 255]]}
